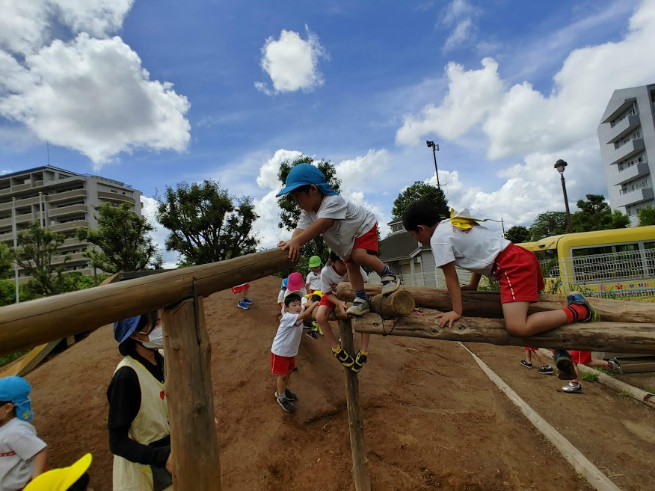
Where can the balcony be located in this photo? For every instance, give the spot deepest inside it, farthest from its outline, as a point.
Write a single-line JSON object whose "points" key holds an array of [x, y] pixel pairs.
{"points": [[633, 172], [62, 227], [76, 193], [115, 197], [66, 210], [631, 148], [634, 197], [623, 127]]}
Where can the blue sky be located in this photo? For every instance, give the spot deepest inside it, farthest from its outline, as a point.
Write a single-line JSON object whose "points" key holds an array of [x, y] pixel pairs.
{"points": [[156, 93]]}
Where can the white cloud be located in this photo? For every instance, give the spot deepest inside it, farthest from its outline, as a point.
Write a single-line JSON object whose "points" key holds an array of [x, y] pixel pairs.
{"points": [[362, 169], [267, 178], [90, 93], [159, 234], [291, 62], [459, 15]]}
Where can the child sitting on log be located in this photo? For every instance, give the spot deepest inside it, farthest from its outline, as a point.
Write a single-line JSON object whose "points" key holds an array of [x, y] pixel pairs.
{"points": [[462, 241]]}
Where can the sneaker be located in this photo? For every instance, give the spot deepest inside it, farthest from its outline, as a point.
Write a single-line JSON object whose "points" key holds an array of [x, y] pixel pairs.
{"points": [[360, 359], [546, 370], [526, 364], [359, 307], [247, 300], [317, 328], [572, 388], [344, 358], [286, 404], [390, 283], [614, 364], [243, 305], [290, 395], [310, 333], [577, 298], [564, 365]]}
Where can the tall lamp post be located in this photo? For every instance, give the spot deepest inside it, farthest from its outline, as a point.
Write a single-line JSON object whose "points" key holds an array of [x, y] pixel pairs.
{"points": [[435, 149], [560, 165]]}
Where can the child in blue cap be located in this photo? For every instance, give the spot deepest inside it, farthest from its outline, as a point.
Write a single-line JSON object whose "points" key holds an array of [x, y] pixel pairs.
{"points": [[22, 454], [351, 231]]}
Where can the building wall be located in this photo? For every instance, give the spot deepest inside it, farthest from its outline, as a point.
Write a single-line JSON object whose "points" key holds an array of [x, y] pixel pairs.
{"points": [[62, 201], [627, 143]]}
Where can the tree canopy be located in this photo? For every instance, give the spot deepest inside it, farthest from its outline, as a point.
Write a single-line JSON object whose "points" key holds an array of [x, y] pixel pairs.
{"points": [[122, 239], [518, 234], [595, 214], [206, 224], [547, 224], [647, 216], [420, 191]]}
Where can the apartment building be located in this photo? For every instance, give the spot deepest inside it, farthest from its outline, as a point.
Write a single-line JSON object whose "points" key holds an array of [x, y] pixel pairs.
{"points": [[627, 138], [62, 201]]}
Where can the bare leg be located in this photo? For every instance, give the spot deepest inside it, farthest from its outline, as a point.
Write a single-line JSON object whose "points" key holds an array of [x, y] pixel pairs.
{"points": [[281, 383], [370, 261], [355, 275], [519, 323], [366, 339], [322, 319], [543, 360]]}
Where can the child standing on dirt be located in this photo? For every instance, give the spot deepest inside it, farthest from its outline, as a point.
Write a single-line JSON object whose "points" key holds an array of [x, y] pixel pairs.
{"points": [[285, 347], [334, 272], [313, 281], [584, 358], [462, 241], [545, 369], [349, 230], [22, 454]]}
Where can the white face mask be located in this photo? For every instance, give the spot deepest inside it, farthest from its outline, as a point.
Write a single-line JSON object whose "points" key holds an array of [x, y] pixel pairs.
{"points": [[155, 339]]}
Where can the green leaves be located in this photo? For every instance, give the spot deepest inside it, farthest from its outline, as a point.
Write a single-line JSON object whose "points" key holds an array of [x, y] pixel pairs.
{"points": [[420, 191]]}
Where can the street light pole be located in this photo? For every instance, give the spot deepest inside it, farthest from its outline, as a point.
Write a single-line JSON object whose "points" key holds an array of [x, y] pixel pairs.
{"points": [[560, 165], [435, 149]]}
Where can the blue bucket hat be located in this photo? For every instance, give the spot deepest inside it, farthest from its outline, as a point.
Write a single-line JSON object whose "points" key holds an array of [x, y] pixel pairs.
{"points": [[125, 328], [285, 282], [304, 175], [17, 390]]}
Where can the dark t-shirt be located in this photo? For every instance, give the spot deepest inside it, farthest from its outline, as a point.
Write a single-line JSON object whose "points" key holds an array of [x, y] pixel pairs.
{"points": [[124, 395]]}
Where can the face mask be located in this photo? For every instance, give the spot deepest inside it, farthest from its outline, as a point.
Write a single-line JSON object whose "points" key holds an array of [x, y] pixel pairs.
{"points": [[155, 339]]}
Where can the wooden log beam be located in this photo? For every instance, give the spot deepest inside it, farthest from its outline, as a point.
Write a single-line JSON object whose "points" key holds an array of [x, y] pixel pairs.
{"points": [[29, 324], [595, 336], [194, 443], [398, 303], [487, 304], [355, 414]]}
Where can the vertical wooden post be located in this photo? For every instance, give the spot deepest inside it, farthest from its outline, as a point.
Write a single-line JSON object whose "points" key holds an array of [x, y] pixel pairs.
{"points": [[194, 443], [355, 414]]}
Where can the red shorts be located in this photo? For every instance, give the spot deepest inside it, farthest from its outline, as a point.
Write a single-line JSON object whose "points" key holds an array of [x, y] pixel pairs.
{"points": [[580, 357], [326, 301], [368, 241], [282, 365], [531, 349], [240, 288], [519, 274]]}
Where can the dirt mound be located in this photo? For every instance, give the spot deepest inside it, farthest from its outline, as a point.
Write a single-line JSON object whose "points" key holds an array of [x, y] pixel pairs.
{"points": [[432, 418]]}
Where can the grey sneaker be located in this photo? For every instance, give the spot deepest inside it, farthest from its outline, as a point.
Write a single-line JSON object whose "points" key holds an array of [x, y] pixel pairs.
{"points": [[390, 283], [526, 364], [285, 403], [290, 395], [572, 388], [614, 364], [546, 370], [359, 307]]}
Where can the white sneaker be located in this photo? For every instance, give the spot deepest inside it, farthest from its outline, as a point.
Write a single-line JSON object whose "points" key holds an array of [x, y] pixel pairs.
{"points": [[359, 307], [572, 388], [390, 283]]}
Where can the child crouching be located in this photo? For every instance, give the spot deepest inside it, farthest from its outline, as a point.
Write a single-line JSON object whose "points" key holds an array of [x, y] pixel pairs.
{"points": [[285, 347]]}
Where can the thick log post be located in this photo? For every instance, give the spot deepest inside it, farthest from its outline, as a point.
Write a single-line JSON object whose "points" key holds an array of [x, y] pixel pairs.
{"points": [[355, 414], [194, 443], [487, 304], [595, 336], [398, 303]]}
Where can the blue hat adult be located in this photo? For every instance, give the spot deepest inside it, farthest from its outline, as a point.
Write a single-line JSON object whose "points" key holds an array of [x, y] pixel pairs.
{"points": [[17, 390], [304, 175], [123, 329]]}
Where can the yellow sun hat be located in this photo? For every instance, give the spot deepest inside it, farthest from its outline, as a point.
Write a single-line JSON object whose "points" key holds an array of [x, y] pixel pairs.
{"points": [[60, 479]]}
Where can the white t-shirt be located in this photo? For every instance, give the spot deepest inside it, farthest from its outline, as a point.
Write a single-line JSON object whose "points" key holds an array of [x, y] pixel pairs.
{"points": [[287, 338], [330, 279], [475, 250], [314, 280], [18, 446], [351, 221]]}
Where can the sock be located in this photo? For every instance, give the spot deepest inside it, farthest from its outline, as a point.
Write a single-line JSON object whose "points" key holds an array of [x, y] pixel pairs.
{"points": [[386, 271], [361, 294], [575, 313], [281, 396]]}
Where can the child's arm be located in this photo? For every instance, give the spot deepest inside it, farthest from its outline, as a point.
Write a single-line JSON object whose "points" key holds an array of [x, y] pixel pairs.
{"points": [[40, 460], [473, 283], [309, 306], [301, 237], [455, 292]]}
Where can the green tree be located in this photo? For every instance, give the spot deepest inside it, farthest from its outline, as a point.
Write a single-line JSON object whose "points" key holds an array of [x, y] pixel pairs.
{"points": [[595, 214], [518, 234], [37, 248], [205, 223], [122, 240], [647, 216], [547, 224], [420, 191], [290, 212], [6, 260]]}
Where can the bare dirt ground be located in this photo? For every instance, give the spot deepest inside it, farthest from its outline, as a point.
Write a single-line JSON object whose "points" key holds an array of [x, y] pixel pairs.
{"points": [[432, 418]]}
